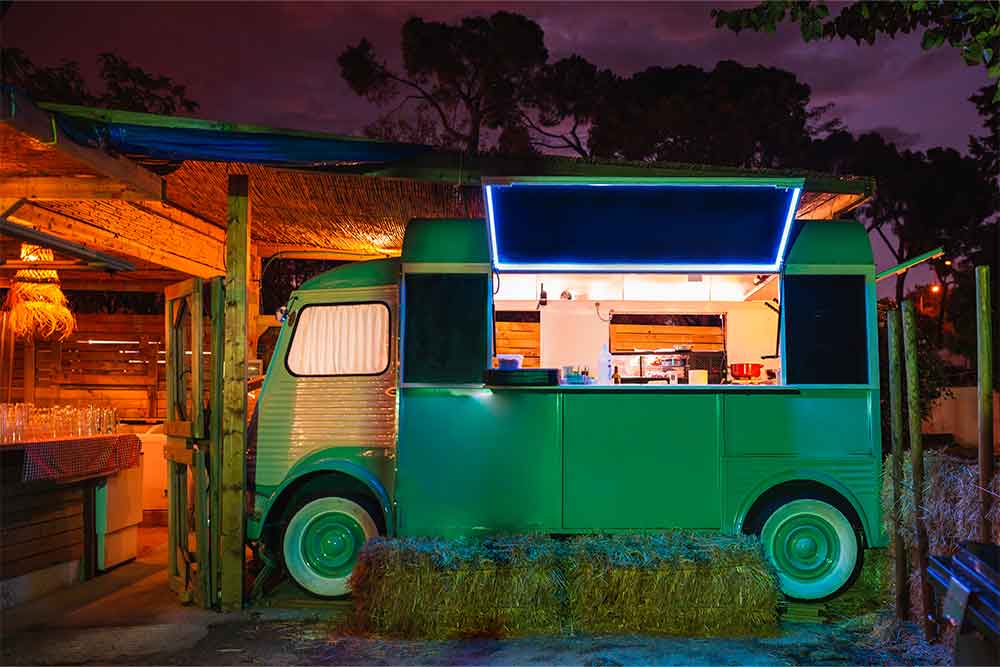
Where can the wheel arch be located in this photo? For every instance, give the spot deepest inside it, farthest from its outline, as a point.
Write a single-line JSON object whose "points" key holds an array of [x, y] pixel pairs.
{"points": [[798, 482], [347, 476]]}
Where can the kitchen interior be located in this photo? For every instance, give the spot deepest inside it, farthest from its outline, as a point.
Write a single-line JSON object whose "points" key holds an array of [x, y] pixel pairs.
{"points": [[646, 329]]}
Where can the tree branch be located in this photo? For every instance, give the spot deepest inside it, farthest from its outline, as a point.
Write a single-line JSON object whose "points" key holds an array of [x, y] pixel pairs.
{"points": [[430, 99]]}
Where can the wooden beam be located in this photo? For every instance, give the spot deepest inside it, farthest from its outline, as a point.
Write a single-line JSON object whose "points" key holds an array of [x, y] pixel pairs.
{"points": [[68, 187], [288, 251], [18, 111], [144, 237], [234, 393]]}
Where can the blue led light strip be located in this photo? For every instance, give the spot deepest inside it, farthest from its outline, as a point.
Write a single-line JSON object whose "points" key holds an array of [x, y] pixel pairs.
{"points": [[773, 267]]}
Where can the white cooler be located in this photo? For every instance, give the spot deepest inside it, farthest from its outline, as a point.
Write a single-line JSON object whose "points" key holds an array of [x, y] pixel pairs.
{"points": [[119, 513]]}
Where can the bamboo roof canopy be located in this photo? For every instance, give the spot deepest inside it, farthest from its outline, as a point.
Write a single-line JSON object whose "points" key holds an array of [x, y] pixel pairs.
{"points": [[64, 170]]}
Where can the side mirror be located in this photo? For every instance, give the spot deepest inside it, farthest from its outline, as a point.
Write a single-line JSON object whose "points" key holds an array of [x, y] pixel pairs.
{"points": [[282, 314]]}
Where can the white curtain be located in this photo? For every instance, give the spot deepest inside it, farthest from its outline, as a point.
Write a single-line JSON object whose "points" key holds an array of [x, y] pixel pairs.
{"points": [[341, 340]]}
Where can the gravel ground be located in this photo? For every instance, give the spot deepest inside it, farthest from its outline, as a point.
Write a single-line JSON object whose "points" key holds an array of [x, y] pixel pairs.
{"points": [[252, 639]]}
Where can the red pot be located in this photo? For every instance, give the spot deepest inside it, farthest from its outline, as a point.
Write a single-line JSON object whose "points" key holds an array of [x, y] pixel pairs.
{"points": [[745, 371]]}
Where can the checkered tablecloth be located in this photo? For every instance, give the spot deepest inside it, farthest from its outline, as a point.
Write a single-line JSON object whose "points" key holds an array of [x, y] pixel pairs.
{"points": [[78, 458]]}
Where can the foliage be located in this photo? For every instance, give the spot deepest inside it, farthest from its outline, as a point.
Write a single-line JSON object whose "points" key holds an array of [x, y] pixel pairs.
{"points": [[732, 115], [971, 26], [126, 87], [923, 199], [470, 76], [574, 91]]}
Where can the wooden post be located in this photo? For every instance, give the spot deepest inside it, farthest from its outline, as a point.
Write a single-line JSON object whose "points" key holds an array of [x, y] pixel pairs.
{"points": [[29, 369], [917, 455], [218, 303], [896, 424], [984, 364], [234, 395], [253, 304]]}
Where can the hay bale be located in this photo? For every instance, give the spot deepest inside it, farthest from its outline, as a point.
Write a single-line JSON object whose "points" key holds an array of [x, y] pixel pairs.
{"points": [[675, 583], [437, 589], [951, 510], [871, 592]]}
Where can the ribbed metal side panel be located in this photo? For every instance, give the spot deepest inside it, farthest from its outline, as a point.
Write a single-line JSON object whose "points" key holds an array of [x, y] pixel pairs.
{"points": [[301, 415]]}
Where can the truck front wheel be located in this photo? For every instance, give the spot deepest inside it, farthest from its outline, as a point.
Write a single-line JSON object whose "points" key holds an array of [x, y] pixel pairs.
{"points": [[814, 547], [322, 542]]}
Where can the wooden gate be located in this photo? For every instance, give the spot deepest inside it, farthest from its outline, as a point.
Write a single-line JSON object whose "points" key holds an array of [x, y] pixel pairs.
{"points": [[192, 449]]}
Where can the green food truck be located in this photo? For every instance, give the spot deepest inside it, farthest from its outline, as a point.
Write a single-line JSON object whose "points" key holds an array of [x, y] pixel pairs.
{"points": [[673, 354]]}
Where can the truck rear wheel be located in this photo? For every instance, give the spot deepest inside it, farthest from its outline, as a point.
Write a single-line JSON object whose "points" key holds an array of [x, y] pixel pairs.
{"points": [[322, 541], [813, 545]]}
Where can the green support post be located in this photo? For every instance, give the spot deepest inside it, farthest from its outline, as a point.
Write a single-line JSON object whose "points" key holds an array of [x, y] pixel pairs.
{"points": [[234, 395], [984, 364], [896, 424], [917, 455]]}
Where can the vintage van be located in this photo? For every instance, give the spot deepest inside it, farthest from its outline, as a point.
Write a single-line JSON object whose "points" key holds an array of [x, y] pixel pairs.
{"points": [[382, 412]]}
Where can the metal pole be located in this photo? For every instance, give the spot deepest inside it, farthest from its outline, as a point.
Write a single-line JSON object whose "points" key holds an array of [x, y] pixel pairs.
{"points": [[917, 456], [984, 364], [896, 424]]}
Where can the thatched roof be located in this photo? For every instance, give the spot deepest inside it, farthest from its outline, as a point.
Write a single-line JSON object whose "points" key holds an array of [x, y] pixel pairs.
{"points": [[364, 211], [343, 212]]}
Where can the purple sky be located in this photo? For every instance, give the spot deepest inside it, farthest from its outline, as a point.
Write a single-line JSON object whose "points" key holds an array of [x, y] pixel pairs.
{"points": [[275, 64]]}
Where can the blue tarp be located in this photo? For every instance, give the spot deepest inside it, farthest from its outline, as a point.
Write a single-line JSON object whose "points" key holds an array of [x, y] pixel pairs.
{"points": [[177, 144]]}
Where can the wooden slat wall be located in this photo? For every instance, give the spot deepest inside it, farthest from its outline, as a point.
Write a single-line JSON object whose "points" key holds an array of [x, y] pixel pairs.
{"points": [[520, 338], [629, 337], [127, 376], [41, 524]]}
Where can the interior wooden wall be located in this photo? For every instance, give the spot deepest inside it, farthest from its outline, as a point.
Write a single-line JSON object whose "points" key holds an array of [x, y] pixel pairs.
{"points": [[629, 337], [127, 374], [520, 338]]}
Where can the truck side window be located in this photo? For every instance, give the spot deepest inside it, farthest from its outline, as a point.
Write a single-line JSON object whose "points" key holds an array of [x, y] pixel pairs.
{"points": [[826, 335], [444, 338], [340, 339]]}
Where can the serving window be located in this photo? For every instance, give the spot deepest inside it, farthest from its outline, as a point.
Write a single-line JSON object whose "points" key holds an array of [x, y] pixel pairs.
{"points": [[826, 338], [445, 336], [340, 339]]}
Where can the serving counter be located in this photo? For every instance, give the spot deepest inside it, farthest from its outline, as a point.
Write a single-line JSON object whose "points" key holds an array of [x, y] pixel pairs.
{"points": [[57, 523]]}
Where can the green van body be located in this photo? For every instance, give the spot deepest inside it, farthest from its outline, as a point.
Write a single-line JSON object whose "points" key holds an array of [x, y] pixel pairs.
{"points": [[465, 459]]}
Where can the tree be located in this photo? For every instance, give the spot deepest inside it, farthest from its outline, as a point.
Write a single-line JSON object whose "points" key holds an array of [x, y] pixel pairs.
{"points": [[971, 26], [923, 199], [572, 92], [471, 76], [732, 115], [125, 86]]}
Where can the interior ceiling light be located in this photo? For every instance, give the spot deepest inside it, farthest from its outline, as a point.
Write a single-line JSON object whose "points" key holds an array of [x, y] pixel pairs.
{"points": [[36, 304]]}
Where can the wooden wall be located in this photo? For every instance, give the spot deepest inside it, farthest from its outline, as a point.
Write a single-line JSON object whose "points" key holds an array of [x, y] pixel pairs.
{"points": [[629, 337], [519, 337], [41, 523], [112, 360]]}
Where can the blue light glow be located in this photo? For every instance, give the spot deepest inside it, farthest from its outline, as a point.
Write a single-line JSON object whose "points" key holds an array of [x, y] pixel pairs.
{"points": [[726, 266]]}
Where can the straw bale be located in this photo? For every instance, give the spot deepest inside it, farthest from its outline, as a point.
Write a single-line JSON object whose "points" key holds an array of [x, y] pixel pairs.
{"points": [[951, 509], [675, 583], [436, 589]]}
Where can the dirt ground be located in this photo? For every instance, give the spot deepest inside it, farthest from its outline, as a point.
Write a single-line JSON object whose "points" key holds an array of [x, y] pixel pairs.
{"points": [[129, 616]]}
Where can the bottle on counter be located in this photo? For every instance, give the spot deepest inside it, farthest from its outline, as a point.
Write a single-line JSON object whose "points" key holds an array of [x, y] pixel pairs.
{"points": [[616, 378], [604, 366]]}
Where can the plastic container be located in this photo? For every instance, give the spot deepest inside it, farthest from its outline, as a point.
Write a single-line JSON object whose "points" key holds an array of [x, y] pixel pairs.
{"points": [[604, 369], [509, 362], [697, 376]]}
